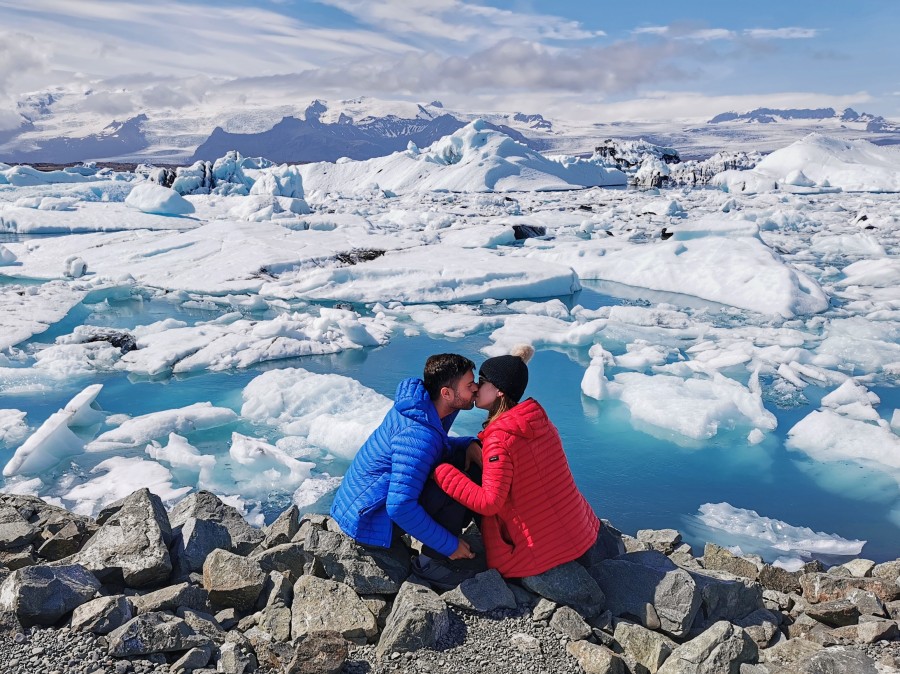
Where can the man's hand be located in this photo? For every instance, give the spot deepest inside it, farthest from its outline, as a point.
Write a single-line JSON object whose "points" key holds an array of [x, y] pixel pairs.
{"points": [[463, 551], [473, 455]]}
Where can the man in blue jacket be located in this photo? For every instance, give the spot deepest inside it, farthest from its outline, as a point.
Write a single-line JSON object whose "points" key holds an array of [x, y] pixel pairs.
{"points": [[384, 483]]}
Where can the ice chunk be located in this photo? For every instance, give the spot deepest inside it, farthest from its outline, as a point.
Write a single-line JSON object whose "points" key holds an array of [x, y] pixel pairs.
{"points": [[259, 468], [594, 382], [119, 476], [879, 273], [314, 488], [753, 530], [695, 408], [152, 198], [141, 430], [7, 257], [181, 454], [862, 345], [74, 267], [54, 440], [826, 435], [29, 310], [12, 427], [333, 412], [539, 330]]}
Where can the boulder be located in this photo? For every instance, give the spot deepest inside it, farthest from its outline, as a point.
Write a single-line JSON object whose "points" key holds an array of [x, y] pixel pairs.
{"points": [[887, 571], [720, 649], [776, 578], [543, 610], [202, 623], [133, 545], [868, 632], [638, 580], [236, 658], [789, 652], [860, 568], [867, 603], [18, 558], [725, 596], [193, 541], [839, 660], [290, 559], [153, 633], [525, 643], [41, 595], [195, 658], [283, 529], [487, 591], [661, 540], [836, 613], [64, 542], [819, 587], [418, 619], [761, 625], [232, 580], [319, 653], [717, 558], [321, 604], [569, 584], [204, 505], [15, 531], [368, 570], [103, 615], [170, 598], [379, 606], [276, 621], [277, 590], [567, 622], [650, 649], [596, 659]]}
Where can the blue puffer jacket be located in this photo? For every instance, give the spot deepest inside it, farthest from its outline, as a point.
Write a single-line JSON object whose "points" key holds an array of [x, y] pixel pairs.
{"points": [[386, 478]]}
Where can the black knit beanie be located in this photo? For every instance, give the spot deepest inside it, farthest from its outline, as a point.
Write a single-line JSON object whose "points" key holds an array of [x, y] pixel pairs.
{"points": [[508, 373]]}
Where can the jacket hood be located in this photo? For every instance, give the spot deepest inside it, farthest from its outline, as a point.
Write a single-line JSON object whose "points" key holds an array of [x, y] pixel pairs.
{"points": [[412, 401], [522, 420]]}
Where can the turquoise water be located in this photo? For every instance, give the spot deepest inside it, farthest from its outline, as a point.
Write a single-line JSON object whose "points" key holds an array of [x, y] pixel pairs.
{"points": [[636, 477]]}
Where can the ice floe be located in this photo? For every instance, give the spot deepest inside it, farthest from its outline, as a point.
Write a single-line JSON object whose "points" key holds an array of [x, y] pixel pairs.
{"points": [[159, 200]]}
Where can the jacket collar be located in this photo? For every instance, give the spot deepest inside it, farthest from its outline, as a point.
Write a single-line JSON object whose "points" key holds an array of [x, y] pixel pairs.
{"points": [[412, 401], [523, 420]]}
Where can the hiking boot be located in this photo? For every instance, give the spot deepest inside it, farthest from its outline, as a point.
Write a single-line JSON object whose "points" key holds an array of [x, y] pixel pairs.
{"points": [[440, 575]]}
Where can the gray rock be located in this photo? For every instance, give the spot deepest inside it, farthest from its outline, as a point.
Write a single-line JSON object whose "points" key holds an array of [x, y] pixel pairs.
{"points": [[368, 570], [860, 568], [777, 601], [379, 606], [275, 621], [839, 661], [418, 619], [321, 604], [718, 558], [487, 591], [636, 580], [661, 540], [893, 609], [153, 633], [634, 545], [133, 544], [819, 587], [290, 559], [720, 649], [195, 658], [870, 631], [204, 505], [569, 584], [596, 659], [193, 541], [887, 570], [170, 598], [725, 596], [232, 580], [867, 603], [227, 618], [319, 653], [567, 622], [276, 590], [15, 531], [650, 649], [41, 595], [543, 610], [202, 623], [776, 578], [525, 643], [64, 542], [836, 613], [236, 658], [524, 599], [283, 529], [790, 652], [103, 615], [18, 558], [761, 625]]}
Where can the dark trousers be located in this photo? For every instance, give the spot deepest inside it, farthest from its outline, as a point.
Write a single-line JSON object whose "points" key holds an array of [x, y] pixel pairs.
{"points": [[450, 514]]}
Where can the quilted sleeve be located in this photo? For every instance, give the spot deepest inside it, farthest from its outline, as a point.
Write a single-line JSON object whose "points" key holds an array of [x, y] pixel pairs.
{"points": [[412, 456], [496, 478]]}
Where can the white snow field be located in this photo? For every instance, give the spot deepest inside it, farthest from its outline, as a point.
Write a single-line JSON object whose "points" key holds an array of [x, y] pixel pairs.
{"points": [[693, 317]]}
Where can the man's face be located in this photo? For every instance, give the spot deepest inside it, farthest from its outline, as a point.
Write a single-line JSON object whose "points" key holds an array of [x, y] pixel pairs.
{"points": [[462, 396]]}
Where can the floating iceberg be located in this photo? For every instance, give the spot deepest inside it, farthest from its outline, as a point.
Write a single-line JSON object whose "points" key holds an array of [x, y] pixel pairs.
{"points": [[151, 198]]}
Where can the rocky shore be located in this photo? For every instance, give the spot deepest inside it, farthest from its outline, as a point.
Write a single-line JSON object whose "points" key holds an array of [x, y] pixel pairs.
{"points": [[197, 589]]}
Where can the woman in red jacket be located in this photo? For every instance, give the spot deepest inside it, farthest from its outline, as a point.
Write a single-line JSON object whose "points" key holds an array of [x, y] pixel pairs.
{"points": [[534, 517]]}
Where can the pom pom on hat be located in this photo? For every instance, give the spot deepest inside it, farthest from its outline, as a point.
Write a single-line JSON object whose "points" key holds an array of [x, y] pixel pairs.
{"points": [[509, 373]]}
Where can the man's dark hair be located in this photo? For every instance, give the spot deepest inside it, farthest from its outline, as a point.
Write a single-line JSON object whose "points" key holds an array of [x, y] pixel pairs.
{"points": [[444, 369]]}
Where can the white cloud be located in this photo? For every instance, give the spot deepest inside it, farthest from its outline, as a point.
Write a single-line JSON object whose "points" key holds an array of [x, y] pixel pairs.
{"points": [[707, 34], [651, 30], [792, 33]]}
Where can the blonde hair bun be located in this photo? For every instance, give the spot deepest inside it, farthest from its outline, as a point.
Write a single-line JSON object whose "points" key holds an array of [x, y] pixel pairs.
{"points": [[523, 351]]}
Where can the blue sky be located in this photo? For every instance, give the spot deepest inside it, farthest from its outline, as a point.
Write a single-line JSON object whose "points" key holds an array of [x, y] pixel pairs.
{"points": [[588, 59]]}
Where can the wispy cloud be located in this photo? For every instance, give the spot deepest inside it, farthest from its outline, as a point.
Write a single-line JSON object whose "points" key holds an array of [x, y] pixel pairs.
{"points": [[683, 32], [792, 33]]}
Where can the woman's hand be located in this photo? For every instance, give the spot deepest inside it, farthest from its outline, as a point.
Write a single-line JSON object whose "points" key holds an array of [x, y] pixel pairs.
{"points": [[473, 455]]}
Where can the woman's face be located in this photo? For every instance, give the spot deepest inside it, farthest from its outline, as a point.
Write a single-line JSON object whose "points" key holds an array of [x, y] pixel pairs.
{"points": [[487, 394]]}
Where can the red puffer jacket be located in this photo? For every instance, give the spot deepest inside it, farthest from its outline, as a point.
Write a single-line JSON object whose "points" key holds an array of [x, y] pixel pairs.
{"points": [[534, 516]]}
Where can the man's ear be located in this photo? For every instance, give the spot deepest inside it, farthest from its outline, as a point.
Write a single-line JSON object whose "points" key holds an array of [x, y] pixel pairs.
{"points": [[446, 393]]}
